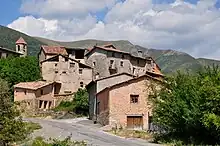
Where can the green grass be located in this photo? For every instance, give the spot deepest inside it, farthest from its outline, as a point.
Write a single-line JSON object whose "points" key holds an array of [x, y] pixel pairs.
{"points": [[31, 126]]}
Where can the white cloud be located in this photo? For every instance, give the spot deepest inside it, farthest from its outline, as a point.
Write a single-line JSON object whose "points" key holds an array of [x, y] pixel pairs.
{"points": [[192, 28], [64, 8]]}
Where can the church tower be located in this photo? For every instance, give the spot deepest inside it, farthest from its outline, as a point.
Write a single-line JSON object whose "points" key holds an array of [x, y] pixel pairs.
{"points": [[21, 47]]}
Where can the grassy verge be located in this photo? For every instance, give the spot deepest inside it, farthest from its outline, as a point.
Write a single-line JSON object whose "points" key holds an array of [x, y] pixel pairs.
{"points": [[31, 126], [39, 141], [132, 134]]}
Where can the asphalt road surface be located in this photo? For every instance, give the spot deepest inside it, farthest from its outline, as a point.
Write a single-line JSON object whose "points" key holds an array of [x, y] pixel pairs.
{"points": [[82, 129]]}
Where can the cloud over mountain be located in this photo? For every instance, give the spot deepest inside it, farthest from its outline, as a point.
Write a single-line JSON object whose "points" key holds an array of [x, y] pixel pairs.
{"points": [[183, 26]]}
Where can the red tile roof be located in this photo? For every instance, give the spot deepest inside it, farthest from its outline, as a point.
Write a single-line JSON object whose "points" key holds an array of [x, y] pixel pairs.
{"points": [[54, 50], [21, 41], [32, 85]]}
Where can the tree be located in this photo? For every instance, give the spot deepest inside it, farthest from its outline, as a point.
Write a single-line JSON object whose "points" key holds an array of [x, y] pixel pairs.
{"points": [[81, 102], [188, 108], [19, 69], [12, 128]]}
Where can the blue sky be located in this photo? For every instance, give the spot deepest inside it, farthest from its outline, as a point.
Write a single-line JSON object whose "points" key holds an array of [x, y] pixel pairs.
{"points": [[11, 9], [188, 26]]}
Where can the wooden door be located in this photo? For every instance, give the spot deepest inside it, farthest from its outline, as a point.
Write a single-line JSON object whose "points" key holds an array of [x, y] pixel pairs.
{"points": [[134, 122]]}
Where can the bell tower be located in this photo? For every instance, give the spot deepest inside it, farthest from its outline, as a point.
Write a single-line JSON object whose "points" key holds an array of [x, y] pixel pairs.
{"points": [[21, 47]]}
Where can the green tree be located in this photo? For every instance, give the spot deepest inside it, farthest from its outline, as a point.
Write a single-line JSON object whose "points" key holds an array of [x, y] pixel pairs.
{"points": [[81, 102], [188, 108], [12, 128], [19, 69]]}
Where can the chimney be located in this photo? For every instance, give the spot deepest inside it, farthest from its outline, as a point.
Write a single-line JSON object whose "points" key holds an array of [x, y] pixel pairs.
{"points": [[140, 53]]}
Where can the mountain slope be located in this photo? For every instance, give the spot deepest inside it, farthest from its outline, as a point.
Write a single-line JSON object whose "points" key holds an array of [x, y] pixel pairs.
{"points": [[169, 60], [8, 37]]}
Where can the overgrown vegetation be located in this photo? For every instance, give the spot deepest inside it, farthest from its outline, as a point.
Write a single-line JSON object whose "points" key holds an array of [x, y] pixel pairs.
{"points": [[188, 108], [79, 104], [131, 133], [39, 141], [31, 126], [19, 69], [12, 128]]}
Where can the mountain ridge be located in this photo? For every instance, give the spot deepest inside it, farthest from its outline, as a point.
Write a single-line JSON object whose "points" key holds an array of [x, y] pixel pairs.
{"points": [[169, 60]]}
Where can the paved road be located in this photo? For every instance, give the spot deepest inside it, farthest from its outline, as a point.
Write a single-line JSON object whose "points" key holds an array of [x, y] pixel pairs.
{"points": [[81, 129]]}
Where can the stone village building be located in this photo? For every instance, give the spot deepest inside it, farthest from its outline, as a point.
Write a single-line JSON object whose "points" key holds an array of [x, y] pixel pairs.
{"points": [[36, 95], [67, 69], [126, 104], [20, 51]]}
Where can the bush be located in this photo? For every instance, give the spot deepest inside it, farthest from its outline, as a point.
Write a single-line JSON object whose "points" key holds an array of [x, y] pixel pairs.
{"points": [[79, 104], [188, 108], [12, 128], [39, 141]]}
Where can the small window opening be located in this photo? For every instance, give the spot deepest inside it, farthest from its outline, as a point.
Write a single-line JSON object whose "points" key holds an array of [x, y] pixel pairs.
{"points": [[64, 72], [111, 62], [56, 72], [72, 65], [80, 71], [55, 64], [81, 84], [134, 98], [122, 63], [25, 92], [94, 64]]}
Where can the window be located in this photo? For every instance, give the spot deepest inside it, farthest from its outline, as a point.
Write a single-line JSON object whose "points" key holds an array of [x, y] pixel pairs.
{"points": [[122, 63], [81, 84], [25, 92], [55, 64], [67, 92], [111, 62], [72, 65], [113, 54], [41, 92], [80, 71], [56, 72], [18, 47], [94, 64], [134, 70], [134, 98], [64, 72]]}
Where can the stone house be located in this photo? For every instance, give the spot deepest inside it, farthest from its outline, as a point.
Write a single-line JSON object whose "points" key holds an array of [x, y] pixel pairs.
{"points": [[47, 52], [38, 95], [108, 60], [71, 73], [21, 49], [100, 84], [126, 104]]}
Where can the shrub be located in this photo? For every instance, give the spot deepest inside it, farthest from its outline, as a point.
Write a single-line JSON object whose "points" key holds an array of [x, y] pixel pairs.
{"points": [[39, 141], [188, 108]]}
